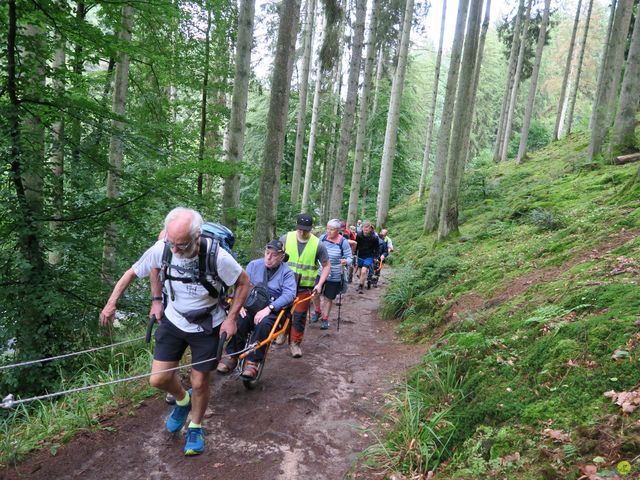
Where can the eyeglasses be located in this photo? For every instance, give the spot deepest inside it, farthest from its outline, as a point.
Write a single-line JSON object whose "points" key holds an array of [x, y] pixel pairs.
{"points": [[179, 246]]}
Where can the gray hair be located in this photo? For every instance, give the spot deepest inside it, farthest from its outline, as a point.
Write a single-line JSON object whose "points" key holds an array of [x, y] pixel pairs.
{"points": [[196, 219], [334, 223]]}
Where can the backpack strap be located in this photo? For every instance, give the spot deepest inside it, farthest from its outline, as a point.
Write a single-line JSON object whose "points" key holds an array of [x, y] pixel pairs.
{"points": [[207, 259]]}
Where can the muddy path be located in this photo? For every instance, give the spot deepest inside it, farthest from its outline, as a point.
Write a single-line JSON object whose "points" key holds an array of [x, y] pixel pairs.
{"points": [[307, 419]]}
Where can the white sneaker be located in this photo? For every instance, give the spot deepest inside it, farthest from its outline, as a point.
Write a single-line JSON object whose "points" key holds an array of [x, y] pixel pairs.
{"points": [[296, 351], [280, 339]]}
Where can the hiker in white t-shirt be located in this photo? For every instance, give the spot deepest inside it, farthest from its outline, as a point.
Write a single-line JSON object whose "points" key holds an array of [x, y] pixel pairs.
{"points": [[192, 317]]}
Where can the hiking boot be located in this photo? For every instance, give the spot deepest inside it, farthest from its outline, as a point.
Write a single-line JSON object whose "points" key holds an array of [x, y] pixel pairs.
{"points": [[250, 370], [296, 351], [360, 289], [280, 339], [324, 325], [178, 416], [315, 316], [195, 442], [227, 364]]}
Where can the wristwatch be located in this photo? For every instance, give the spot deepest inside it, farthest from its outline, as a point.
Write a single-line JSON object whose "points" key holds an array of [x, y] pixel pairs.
{"points": [[272, 308], [154, 299]]}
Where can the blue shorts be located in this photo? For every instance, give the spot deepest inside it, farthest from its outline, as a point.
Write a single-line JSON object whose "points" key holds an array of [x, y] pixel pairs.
{"points": [[365, 262]]}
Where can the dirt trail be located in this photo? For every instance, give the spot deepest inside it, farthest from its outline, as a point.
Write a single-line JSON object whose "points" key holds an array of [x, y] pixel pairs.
{"points": [[305, 420]]}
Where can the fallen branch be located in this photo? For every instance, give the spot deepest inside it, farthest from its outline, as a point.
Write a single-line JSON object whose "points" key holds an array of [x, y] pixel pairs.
{"points": [[624, 159]]}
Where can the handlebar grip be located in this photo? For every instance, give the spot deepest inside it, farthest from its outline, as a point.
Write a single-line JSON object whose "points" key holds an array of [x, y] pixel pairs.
{"points": [[150, 324], [221, 342]]}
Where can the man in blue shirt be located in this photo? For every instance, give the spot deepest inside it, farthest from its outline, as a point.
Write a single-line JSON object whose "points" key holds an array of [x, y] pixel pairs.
{"points": [[281, 283]]}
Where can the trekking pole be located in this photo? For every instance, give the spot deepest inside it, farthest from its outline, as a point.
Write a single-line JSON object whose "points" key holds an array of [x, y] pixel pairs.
{"points": [[339, 307]]}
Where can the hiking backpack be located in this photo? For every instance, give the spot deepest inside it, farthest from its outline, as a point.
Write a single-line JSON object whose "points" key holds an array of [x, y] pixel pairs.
{"points": [[212, 237]]}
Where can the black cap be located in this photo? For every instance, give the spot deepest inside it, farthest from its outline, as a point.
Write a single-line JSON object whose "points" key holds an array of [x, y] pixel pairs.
{"points": [[304, 222], [275, 245]]}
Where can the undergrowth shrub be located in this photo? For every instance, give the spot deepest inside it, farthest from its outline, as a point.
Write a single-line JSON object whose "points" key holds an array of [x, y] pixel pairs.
{"points": [[546, 219], [538, 138], [421, 415]]}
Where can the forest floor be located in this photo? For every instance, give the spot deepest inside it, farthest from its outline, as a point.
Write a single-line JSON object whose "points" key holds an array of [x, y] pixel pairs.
{"points": [[308, 418]]}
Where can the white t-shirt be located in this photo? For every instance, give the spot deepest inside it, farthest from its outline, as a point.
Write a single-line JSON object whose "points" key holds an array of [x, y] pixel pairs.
{"points": [[189, 296]]}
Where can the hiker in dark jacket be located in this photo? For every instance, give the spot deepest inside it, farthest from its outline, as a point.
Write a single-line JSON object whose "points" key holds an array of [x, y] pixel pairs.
{"points": [[367, 248]]}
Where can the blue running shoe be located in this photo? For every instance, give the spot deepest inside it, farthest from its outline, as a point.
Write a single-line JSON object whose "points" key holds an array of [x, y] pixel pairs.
{"points": [[315, 316], [324, 325], [178, 416], [195, 442]]}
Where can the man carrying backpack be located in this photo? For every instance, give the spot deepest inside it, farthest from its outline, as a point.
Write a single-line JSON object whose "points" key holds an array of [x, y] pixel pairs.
{"points": [[193, 316]]}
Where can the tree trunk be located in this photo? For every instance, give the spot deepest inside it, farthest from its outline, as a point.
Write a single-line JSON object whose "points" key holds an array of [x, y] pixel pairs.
{"points": [[313, 128], [78, 69], [267, 207], [511, 73], [56, 159], [476, 72], [346, 126], [116, 144], [623, 137], [391, 132], [231, 190], [434, 201], [524, 137], [374, 109], [603, 62], [576, 81], [448, 224], [26, 158], [603, 109], [203, 100], [432, 111], [307, 45], [508, 127], [333, 129], [363, 116], [567, 74]]}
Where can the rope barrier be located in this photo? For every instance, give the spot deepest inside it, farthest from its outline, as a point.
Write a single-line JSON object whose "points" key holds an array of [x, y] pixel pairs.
{"points": [[9, 402], [42, 360]]}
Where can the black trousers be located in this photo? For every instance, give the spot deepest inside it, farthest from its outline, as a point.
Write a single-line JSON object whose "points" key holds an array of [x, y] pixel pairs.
{"points": [[260, 332]]}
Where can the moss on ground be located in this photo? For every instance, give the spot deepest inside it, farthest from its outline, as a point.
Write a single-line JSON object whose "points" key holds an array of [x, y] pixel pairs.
{"points": [[533, 352]]}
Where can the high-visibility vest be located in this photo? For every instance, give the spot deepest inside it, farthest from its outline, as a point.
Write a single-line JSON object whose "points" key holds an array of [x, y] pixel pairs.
{"points": [[303, 264]]}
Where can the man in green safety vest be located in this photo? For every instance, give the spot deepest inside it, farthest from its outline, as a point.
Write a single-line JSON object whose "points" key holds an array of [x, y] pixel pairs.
{"points": [[305, 253]]}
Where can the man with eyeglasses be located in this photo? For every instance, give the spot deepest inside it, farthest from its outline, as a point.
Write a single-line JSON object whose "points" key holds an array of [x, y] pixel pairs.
{"points": [[192, 318]]}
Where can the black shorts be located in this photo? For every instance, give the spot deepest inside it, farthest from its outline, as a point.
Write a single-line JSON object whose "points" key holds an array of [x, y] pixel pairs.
{"points": [[331, 289], [171, 342]]}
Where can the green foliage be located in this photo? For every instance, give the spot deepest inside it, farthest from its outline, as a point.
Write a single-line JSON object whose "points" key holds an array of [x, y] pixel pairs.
{"points": [[421, 415], [539, 137], [546, 220], [531, 301]]}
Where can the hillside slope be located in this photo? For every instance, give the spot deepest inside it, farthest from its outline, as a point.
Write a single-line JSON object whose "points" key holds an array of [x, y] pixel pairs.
{"points": [[531, 314]]}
